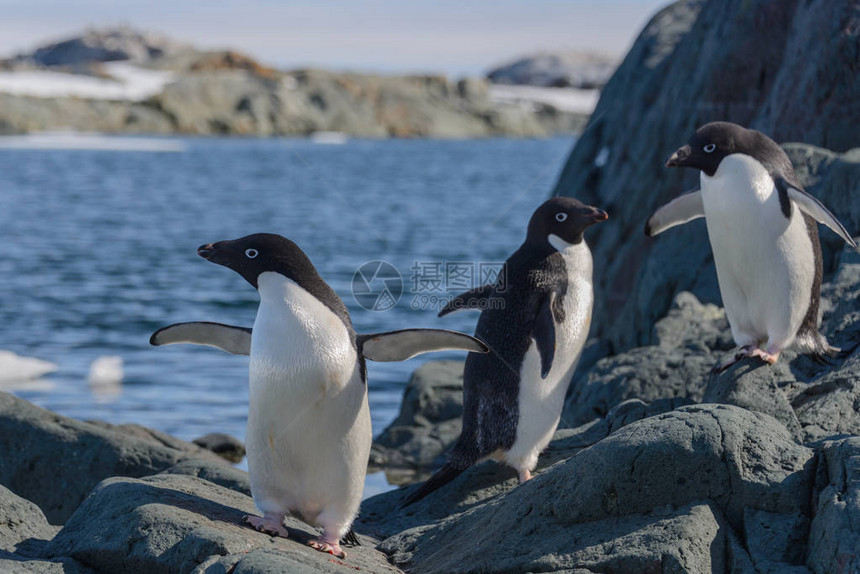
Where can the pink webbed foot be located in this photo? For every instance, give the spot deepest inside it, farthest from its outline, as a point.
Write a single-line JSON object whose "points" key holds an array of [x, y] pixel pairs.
{"points": [[327, 546], [524, 475], [742, 353], [769, 358], [271, 525]]}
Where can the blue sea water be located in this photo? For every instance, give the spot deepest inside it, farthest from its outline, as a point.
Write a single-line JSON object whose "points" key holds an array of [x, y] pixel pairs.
{"points": [[99, 251]]}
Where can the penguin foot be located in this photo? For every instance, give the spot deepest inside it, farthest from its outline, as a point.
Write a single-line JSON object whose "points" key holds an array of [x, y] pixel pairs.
{"points": [[524, 475], [328, 547], [267, 525], [769, 358], [742, 353]]}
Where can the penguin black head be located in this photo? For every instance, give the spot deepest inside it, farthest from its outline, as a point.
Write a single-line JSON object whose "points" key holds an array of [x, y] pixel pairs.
{"points": [[252, 255], [714, 141], [562, 217]]}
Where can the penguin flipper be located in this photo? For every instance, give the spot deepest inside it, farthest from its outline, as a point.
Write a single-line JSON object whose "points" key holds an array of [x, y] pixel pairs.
{"points": [[235, 340], [468, 301], [543, 334], [401, 345], [816, 210], [680, 210]]}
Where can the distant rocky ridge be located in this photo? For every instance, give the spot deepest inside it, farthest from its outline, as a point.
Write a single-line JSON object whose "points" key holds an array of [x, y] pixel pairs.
{"points": [[189, 91], [574, 69]]}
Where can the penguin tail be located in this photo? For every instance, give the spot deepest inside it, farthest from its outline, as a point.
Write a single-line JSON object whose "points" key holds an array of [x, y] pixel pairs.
{"points": [[816, 346], [350, 539], [443, 476]]}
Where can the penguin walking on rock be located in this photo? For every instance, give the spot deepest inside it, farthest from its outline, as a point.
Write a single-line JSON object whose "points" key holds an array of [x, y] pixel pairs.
{"points": [[308, 437], [535, 320], [762, 228]]}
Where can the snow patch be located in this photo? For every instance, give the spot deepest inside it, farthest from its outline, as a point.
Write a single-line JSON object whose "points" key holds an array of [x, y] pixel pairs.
{"points": [[128, 82], [564, 99]]}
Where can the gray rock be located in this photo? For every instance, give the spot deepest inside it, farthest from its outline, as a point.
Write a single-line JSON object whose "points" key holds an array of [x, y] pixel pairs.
{"points": [[834, 538], [265, 561], [176, 523], [23, 524], [698, 61], [753, 385], [54, 461], [224, 445], [776, 542], [13, 565], [689, 539], [216, 472], [587, 70], [715, 464], [381, 517], [429, 420], [688, 343]]}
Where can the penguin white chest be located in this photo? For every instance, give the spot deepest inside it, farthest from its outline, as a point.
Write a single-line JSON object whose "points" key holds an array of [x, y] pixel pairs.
{"points": [[765, 261], [541, 399], [297, 340], [309, 432]]}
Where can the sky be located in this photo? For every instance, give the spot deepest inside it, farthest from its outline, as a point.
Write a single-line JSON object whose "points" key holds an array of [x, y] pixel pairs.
{"points": [[457, 38]]}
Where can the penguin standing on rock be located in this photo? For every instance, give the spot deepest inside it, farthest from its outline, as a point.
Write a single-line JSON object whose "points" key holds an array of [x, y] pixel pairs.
{"points": [[308, 437], [535, 320], [762, 228]]}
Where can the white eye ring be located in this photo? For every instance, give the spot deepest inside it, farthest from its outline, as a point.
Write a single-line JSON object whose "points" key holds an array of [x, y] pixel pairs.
{"points": [[560, 216], [710, 148], [251, 253]]}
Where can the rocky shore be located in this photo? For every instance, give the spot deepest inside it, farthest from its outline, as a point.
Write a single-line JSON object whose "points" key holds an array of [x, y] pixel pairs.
{"points": [[659, 467]]}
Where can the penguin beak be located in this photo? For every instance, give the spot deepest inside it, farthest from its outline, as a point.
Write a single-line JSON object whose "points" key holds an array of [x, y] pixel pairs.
{"points": [[206, 251], [678, 159], [598, 215]]}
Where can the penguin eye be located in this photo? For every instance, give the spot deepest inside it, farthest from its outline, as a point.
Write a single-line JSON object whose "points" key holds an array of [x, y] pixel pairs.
{"points": [[560, 216], [710, 148], [251, 253]]}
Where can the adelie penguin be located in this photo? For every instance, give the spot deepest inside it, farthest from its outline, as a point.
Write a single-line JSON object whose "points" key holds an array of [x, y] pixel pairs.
{"points": [[762, 228], [308, 436], [536, 328]]}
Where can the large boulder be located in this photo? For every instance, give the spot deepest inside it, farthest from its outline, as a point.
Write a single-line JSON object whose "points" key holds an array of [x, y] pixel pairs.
{"points": [[21, 522], [698, 61], [428, 423], [177, 523], [54, 461], [663, 490], [834, 540]]}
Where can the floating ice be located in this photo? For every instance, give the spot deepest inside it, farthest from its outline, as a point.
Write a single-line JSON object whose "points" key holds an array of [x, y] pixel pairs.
{"points": [[89, 141], [15, 368], [329, 138], [106, 370]]}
